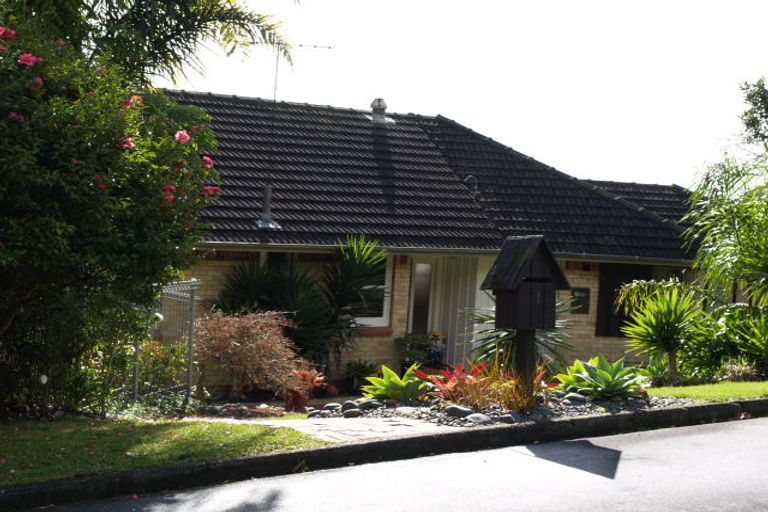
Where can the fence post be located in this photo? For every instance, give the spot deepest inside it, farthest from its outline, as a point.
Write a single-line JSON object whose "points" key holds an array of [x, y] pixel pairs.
{"points": [[190, 339]]}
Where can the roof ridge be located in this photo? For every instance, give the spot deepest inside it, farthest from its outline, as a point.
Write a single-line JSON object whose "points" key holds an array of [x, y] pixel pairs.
{"points": [[671, 185], [282, 102], [581, 183]]}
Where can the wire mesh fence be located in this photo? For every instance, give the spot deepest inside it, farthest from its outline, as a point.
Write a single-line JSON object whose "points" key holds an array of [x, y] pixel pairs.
{"points": [[174, 339]]}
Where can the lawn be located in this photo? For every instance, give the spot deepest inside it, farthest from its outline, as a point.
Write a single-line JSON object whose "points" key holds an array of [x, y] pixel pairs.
{"points": [[40, 450], [715, 392]]}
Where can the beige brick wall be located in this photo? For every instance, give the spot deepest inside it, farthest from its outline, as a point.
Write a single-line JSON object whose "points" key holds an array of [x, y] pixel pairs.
{"points": [[582, 330]]}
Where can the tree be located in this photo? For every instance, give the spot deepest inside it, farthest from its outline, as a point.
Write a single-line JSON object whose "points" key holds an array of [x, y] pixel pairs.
{"points": [[149, 37], [99, 198]]}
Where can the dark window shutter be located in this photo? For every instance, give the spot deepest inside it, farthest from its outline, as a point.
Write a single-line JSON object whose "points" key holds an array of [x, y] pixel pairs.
{"points": [[612, 276]]}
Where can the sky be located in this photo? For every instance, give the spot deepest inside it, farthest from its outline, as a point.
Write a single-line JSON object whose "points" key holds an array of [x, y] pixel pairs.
{"points": [[642, 91]]}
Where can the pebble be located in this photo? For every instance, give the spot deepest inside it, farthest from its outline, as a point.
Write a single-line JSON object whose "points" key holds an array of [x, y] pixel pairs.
{"points": [[352, 413], [575, 398], [479, 418], [333, 406], [457, 411], [349, 404]]}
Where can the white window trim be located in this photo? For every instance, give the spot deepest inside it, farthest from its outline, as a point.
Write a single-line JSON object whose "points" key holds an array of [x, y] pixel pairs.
{"points": [[383, 320]]}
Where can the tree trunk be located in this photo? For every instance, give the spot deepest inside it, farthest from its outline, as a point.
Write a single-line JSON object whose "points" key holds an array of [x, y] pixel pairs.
{"points": [[672, 367]]}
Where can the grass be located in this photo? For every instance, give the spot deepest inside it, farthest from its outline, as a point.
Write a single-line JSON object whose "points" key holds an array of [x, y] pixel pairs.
{"points": [[715, 392], [41, 450]]}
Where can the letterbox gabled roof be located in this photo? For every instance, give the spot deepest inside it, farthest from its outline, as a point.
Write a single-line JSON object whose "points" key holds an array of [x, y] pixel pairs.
{"points": [[512, 263]]}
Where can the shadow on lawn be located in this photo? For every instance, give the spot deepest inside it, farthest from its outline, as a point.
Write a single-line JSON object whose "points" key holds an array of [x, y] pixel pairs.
{"points": [[581, 455]]}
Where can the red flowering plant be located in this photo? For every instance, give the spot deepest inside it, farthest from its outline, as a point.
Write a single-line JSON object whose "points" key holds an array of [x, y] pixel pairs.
{"points": [[302, 383], [455, 384], [87, 220]]}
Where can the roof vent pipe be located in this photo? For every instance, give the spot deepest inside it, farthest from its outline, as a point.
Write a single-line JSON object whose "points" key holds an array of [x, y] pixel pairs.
{"points": [[266, 222], [378, 111]]}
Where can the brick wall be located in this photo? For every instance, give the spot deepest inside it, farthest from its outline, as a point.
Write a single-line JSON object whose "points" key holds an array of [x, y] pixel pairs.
{"points": [[376, 344], [582, 330]]}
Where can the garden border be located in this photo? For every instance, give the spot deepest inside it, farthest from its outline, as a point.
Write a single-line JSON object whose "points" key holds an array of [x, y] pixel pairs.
{"points": [[67, 490]]}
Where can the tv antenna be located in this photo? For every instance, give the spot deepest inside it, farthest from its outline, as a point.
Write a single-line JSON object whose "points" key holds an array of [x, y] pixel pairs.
{"points": [[277, 62]]}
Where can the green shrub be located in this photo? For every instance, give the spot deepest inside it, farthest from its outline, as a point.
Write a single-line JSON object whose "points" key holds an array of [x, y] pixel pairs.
{"points": [[602, 380], [737, 369], [403, 389], [663, 323], [358, 370]]}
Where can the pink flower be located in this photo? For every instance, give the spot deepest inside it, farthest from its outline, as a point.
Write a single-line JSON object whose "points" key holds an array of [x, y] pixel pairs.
{"points": [[208, 162], [100, 182], [128, 143], [169, 188], [102, 186], [28, 59], [60, 42], [169, 197], [15, 116], [197, 127], [7, 33], [132, 101], [211, 190], [37, 83], [182, 136]]}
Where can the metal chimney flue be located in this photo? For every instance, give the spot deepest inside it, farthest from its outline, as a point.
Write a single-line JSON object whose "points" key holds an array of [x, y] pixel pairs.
{"points": [[379, 111], [266, 221]]}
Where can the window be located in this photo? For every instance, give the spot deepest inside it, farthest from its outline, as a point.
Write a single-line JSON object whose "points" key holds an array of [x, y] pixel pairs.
{"points": [[374, 308], [580, 301], [612, 276]]}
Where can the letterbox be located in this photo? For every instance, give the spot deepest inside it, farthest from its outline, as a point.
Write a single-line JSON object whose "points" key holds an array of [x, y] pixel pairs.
{"points": [[524, 278]]}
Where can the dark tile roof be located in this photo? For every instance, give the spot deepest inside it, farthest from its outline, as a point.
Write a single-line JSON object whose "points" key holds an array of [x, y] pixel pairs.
{"points": [[525, 197], [335, 172], [668, 201]]}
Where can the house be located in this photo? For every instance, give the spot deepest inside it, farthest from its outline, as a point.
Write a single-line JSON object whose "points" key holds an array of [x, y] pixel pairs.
{"points": [[440, 198]]}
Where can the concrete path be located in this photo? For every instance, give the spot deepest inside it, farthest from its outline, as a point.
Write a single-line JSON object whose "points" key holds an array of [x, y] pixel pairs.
{"points": [[719, 467], [341, 430]]}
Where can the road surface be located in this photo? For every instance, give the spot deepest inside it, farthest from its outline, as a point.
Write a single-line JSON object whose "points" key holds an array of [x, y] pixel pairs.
{"points": [[720, 467]]}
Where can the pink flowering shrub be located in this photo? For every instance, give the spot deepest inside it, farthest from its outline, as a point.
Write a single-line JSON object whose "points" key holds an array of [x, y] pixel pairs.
{"points": [[87, 219]]}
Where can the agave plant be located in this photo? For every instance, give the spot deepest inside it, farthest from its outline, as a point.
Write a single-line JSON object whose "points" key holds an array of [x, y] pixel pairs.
{"points": [[600, 379], [403, 389]]}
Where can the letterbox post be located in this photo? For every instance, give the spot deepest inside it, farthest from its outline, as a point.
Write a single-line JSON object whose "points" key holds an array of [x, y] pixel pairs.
{"points": [[524, 278]]}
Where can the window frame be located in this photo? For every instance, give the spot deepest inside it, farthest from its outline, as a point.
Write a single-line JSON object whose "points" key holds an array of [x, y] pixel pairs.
{"points": [[384, 319]]}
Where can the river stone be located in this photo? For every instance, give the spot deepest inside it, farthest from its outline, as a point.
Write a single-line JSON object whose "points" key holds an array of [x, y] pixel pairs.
{"points": [[313, 414], [349, 404], [457, 411], [575, 398], [390, 403], [369, 404], [506, 418], [352, 413], [405, 411], [480, 419], [332, 406]]}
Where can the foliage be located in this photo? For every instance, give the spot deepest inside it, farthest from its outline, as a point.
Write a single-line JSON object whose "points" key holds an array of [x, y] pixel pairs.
{"points": [[98, 205], [415, 347], [499, 344], [715, 392], [663, 323], [34, 451], [470, 388], [162, 403], [600, 379], [737, 369], [358, 370], [730, 229], [755, 118], [484, 386], [251, 348], [750, 333], [656, 370], [300, 386], [151, 37], [403, 389], [161, 363], [322, 309]]}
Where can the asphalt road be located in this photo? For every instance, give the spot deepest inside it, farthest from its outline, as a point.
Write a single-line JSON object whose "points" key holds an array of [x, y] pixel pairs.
{"points": [[718, 467]]}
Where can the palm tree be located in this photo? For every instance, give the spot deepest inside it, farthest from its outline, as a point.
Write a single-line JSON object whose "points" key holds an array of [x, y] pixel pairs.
{"points": [[148, 38]]}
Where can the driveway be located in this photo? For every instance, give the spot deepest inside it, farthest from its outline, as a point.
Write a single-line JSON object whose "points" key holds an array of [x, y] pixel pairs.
{"points": [[718, 467]]}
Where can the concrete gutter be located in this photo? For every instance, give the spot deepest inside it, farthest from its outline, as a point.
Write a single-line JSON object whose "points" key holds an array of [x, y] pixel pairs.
{"points": [[67, 490]]}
